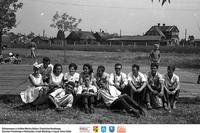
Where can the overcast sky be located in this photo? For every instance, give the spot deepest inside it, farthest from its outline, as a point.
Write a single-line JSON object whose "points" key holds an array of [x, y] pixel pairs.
{"points": [[133, 17]]}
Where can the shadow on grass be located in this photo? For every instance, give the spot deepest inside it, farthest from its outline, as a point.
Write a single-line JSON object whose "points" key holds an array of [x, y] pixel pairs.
{"points": [[15, 99]]}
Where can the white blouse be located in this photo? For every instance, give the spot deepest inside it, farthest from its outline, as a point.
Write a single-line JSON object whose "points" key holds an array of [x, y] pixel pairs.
{"points": [[57, 80], [36, 80]]}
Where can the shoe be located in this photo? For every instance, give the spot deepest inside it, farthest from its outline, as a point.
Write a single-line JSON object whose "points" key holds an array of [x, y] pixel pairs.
{"points": [[165, 106], [91, 110], [149, 107], [133, 113], [174, 105], [142, 112], [87, 111]]}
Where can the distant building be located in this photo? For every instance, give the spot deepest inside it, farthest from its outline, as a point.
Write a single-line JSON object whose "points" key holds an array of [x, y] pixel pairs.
{"points": [[102, 37], [169, 34], [41, 40], [81, 37], [135, 40], [197, 42]]}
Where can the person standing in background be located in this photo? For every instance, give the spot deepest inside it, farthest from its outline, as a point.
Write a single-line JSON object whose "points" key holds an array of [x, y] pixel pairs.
{"points": [[154, 55]]}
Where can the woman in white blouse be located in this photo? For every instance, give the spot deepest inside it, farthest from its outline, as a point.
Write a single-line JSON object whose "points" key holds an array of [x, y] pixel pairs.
{"points": [[36, 93]]}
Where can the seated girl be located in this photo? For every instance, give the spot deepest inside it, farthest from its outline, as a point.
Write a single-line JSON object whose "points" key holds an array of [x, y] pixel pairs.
{"points": [[72, 75], [36, 93], [86, 94], [87, 70], [59, 96]]}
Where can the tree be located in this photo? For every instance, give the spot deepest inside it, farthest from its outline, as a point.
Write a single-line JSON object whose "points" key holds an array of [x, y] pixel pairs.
{"points": [[31, 35], [65, 22], [163, 1], [8, 9]]}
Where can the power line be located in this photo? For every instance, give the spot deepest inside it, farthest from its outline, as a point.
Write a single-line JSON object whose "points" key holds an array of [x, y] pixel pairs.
{"points": [[113, 7]]}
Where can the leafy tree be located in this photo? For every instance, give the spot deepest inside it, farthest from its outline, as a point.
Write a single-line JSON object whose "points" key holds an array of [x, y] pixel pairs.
{"points": [[31, 35], [8, 9], [64, 22], [163, 1]]}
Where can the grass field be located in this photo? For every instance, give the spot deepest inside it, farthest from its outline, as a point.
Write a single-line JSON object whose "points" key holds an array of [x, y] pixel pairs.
{"points": [[13, 80]]}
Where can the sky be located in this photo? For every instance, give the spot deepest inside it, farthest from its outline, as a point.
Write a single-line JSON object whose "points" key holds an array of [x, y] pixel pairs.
{"points": [[132, 17]]}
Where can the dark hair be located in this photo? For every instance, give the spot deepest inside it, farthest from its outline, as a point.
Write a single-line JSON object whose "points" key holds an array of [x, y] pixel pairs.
{"points": [[56, 66], [136, 66], [173, 67], [101, 67], [154, 65], [86, 76], [89, 67], [46, 59], [71, 83], [73, 65], [118, 64]]}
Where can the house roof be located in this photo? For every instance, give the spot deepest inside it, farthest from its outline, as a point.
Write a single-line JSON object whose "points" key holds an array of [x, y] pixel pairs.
{"points": [[81, 35], [196, 40], [41, 37], [161, 30], [136, 38], [104, 35]]}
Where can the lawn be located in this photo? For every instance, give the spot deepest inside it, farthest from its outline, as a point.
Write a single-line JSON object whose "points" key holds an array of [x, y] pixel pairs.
{"points": [[13, 80]]}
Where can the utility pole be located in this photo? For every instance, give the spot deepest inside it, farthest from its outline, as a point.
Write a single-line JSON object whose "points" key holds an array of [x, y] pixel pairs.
{"points": [[185, 37]]}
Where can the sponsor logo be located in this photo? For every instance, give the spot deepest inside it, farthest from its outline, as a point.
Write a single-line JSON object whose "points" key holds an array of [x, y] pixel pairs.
{"points": [[103, 129], [121, 129], [112, 129], [84, 129], [95, 129]]}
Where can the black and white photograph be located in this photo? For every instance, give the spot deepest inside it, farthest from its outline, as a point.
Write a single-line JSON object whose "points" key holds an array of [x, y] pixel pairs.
{"points": [[100, 62]]}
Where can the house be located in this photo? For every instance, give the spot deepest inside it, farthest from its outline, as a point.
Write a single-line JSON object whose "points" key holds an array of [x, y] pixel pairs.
{"points": [[102, 37], [197, 42], [41, 40], [135, 40], [81, 37], [169, 34]]}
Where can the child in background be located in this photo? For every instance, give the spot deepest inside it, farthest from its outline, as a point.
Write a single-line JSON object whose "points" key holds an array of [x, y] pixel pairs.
{"points": [[155, 54], [17, 59], [86, 94], [172, 87], [46, 69]]}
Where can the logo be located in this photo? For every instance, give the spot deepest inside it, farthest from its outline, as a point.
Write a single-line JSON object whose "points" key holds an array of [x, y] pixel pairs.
{"points": [[84, 129], [121, 129], [95, 129], [111, 129], [103, 129]]}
